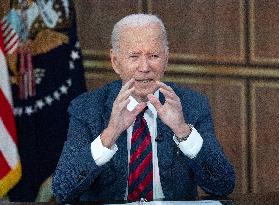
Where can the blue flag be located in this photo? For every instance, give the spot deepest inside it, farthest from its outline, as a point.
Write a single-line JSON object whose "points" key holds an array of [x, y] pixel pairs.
{"points": [[47, 75]]}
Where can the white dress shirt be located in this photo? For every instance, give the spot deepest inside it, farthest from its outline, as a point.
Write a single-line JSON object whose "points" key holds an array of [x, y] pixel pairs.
{"points": [[190, 147]]}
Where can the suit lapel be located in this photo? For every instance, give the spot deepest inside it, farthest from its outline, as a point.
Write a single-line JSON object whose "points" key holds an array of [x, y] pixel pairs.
{"points": [[165, 144], [165, 152], [119, 161]]}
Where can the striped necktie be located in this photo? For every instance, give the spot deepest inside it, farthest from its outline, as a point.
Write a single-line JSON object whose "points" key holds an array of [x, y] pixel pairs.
{"points": [[140, 182]]}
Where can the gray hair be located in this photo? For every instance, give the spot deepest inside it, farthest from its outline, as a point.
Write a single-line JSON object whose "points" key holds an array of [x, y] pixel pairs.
{"points": [[136, 20]]}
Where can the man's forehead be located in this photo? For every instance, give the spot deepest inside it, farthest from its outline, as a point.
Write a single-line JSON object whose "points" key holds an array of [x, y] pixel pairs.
{"points": [[139, 39], [151, 46], [143, 31], [138, 35]]}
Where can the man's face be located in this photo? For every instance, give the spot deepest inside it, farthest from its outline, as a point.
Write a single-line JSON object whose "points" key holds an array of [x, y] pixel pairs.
{"points": [[142, 56]]}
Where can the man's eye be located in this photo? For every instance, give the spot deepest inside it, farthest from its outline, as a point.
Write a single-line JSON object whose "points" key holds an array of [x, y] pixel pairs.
{"points": [[133, 56], [154, 56]]}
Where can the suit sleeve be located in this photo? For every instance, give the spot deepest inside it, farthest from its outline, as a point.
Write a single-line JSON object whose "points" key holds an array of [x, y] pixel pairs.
{"points": [[214, 173], [76, 169]]}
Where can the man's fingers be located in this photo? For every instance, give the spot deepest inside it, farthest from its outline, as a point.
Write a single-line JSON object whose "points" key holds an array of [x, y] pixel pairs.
{"points": [[167, 90], [154, 101], [169, 94], [173, 103], [128, 85], [138, 108], [123, 105], [125, 94], [126, 90], [164, 86]]}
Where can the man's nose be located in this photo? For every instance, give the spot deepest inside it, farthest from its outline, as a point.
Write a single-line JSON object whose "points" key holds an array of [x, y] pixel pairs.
{"points": [[144, 65]]}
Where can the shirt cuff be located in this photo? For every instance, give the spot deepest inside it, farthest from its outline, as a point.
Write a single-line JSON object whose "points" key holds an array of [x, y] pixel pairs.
{"points": [[192, 145], [101, 154]]}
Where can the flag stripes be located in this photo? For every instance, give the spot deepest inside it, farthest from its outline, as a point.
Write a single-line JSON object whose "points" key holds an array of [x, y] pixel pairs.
{"points": [[7, 146], [5, 110], [10, 167], [5, 168], [11, 39]]}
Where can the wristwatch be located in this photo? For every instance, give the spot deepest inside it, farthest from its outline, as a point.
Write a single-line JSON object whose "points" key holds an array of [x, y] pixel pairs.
{"points": [[181, 139]]}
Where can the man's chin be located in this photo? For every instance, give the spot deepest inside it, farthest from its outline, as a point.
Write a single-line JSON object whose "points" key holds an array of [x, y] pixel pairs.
{"points": [[141, 95]]}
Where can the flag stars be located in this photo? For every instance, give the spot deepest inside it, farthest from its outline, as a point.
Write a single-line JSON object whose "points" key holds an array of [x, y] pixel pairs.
{"points": [[48, 100], [40, 104], [39, 75], [71, 65], [63, 89], [18, 111], [15, 111], [69, 82], [56, 95], [77, 45], [75, 55], [66, 7], [28, 110]]}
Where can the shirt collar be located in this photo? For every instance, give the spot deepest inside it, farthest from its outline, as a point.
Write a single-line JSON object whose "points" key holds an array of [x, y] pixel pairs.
{"points": [[133, 103]]}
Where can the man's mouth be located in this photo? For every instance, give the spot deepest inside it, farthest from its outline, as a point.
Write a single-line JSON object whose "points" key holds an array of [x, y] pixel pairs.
{"points": [[144, 80]]}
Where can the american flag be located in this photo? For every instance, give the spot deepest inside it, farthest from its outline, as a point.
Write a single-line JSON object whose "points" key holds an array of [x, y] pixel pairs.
{"points": [[10, 167], [10, 37]]}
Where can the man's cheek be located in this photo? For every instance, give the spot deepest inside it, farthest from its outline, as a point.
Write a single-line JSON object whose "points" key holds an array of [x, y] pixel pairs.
{"points": [[127, 75]]}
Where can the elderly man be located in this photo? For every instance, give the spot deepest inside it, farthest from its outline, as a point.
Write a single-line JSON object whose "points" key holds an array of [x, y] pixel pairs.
{"points": [[139, 137]]}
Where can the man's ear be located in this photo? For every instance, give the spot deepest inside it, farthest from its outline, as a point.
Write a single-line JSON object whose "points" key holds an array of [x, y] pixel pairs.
{"points": [[167, 59], [114, 61]]}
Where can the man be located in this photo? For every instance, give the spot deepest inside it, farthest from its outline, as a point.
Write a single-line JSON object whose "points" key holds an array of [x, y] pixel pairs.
{"points": [[111, 154]]}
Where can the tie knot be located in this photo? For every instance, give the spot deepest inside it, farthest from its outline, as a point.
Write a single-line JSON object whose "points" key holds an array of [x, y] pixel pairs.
{"points": [[140, 115]]}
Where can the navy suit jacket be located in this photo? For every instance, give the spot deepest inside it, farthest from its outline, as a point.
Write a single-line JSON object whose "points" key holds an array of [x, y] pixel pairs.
{"points": [[78, 178]]}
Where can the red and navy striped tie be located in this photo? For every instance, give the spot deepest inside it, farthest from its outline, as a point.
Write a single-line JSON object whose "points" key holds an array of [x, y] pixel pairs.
{"points": [[140, 182]]}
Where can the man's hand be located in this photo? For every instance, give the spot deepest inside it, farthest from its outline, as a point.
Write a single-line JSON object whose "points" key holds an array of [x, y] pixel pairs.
{"points": [[121, 118], [171, 111]]}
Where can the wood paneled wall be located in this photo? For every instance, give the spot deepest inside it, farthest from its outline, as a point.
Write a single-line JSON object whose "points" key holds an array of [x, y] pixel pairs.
{"points": [[228, 50]]}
